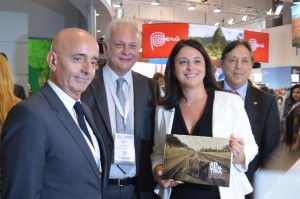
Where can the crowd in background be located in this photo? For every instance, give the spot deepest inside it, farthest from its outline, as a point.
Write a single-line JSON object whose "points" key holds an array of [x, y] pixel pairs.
{"points": [[288, 102]]}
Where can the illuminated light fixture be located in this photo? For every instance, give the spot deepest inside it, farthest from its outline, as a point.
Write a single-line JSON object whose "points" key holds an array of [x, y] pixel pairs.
{"points": [[245, 18], [270, 12], [97, 14], [98, 30], [278, 9], [192, 7], [120, 13], [230, 22], [217, 24], [116, 3], [155, 2], [296, 2], [217, 10]]}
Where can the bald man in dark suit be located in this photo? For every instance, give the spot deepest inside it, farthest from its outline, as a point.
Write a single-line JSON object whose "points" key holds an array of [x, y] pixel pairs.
{"points": [[45, 152]]}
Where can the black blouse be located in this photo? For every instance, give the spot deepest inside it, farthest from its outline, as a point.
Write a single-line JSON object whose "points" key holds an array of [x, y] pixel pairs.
{"points": [[202, 128]]}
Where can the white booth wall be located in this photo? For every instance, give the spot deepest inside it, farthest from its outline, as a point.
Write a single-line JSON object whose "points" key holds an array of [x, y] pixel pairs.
{"points": [[13, 42]]}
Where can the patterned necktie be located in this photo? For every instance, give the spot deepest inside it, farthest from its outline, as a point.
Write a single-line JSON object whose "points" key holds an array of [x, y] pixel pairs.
{"points": [[120, 124], [81, 121], [121, 127]]}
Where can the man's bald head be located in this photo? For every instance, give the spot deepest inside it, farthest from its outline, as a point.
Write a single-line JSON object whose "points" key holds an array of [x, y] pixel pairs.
{"points": [[68, 36], [72, 59]]}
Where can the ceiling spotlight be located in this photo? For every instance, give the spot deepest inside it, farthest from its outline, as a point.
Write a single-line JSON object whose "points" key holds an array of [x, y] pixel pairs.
{"points": [[245, 18], [296, 2], [230, 22], [270, 12], [155, 2], [278, 9], [192, 7], [116, 3], [217, 9], [120, 13]]}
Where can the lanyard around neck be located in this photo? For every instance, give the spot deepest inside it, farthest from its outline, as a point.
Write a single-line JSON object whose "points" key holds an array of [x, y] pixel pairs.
{"points": [[124, 113]]}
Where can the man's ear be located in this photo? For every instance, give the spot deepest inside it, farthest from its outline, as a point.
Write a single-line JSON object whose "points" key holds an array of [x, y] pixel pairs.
{"points": [[105, 48], [52, 60], [222, 63]]}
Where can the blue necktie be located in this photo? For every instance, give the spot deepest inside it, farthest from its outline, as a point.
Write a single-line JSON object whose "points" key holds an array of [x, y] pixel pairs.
{"points": [[120, 125], [81, 121]]}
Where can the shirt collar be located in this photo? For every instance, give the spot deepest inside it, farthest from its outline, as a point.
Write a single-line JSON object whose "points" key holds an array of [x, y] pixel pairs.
{"points": [[64, 97], [113, 76], [241, 91]]}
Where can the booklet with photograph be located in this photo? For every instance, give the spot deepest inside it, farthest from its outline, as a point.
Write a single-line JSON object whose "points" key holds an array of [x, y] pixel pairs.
{"points": [[197, 159]]}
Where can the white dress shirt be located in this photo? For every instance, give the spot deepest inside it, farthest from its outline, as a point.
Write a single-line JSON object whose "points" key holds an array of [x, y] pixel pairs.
{"points": [[69, 104], [110, 81]]}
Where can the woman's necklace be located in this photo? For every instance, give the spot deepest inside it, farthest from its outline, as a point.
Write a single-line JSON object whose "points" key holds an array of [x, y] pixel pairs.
{"points": [[190, 103]]}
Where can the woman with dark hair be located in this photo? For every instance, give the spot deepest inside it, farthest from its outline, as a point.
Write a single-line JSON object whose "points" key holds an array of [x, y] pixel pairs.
{"points": [[194, 105], [292, 118]]}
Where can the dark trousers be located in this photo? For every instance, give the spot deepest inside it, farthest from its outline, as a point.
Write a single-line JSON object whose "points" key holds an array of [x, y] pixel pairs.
{"points": [[121, 192], [127, 192]]}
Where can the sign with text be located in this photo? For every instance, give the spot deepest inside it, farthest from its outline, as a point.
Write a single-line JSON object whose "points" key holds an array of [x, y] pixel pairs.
{"points": [[159, 39], [259, 42]]}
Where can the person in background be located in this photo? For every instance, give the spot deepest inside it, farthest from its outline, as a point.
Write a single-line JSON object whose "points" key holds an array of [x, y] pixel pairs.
{"points": [[195, 105], [46, 152], [265, 88], [123, 105], [261, 107], [7, 97], [280, 97], [272, 92], [18, 89], [292, 122], [160, 78], [296, 144]]}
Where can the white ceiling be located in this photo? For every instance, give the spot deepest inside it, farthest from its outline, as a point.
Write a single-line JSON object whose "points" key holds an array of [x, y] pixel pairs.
{"points": [[176, 11]]}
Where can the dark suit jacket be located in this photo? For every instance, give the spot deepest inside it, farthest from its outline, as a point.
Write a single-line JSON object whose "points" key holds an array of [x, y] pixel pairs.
{"points": [[263, 114], [145, 95], [262, 111], [19, 91], [44, 154]]}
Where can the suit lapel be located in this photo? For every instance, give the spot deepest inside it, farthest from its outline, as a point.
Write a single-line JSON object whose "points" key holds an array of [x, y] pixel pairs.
{"points": [[103, 158], [139, 101], [251, 103], [98, 89], [250, 98], [66, 119]]}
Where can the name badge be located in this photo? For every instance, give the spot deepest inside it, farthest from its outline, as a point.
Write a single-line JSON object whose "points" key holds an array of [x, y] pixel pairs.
{"points": [[124, 152]]}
